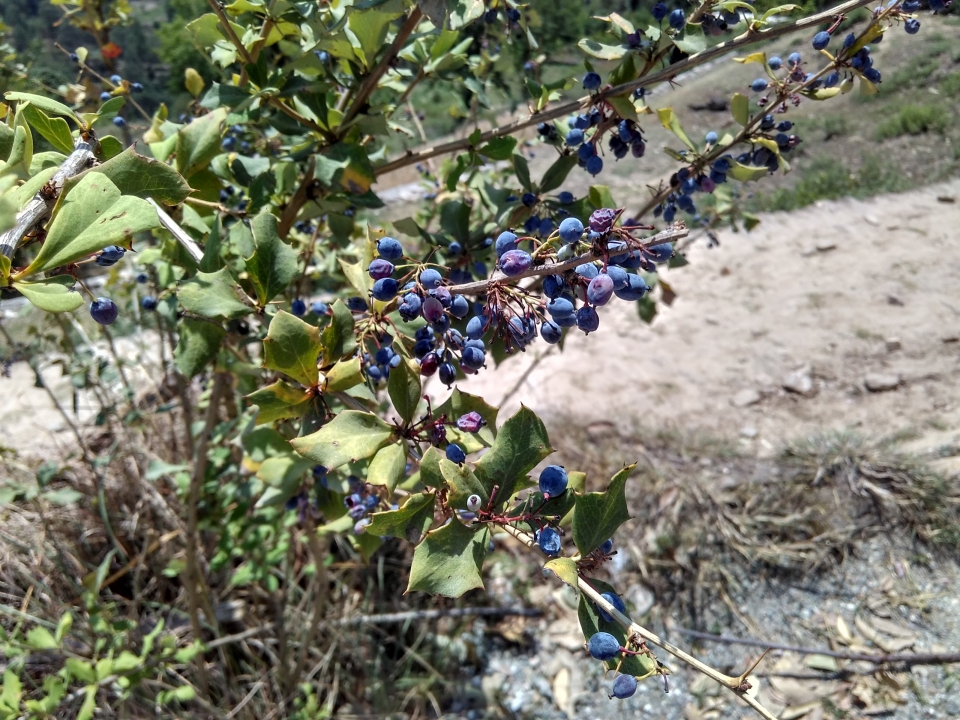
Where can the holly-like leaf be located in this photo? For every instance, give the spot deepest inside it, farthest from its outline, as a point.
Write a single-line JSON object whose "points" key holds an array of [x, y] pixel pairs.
{"points": [[279, 401], [337, 337], [55, 294], [449, 559], [464, 12], [405, 389], [351, 435], [409, 522], [740, 108], [591, 623], [93, 215], [343, 376], [521, 443], [624, 107], [598, 515], [143, 177], [198, 344], [565, 569], [273, 264], [459, 404], [48, 105], [601, 51], [388, 465], [746, 173], [199, 142], [212, 295], [557, 173], [462, 483], [498, 148], [292, 347], [671, 122], [430, 474], [54, 129]]}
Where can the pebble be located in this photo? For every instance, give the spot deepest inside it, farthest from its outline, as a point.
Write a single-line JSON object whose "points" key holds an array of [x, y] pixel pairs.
{"points": [[877, 382], [893, 344], [746, 398], [799, 381]]}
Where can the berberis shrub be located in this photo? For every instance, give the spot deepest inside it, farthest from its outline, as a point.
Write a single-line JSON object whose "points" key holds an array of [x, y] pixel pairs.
{"points": [[308, 331]]}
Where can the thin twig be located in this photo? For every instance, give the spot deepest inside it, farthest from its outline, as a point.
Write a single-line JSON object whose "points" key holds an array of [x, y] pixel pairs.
{"points": [[748, 38], [892, 658], [178, 232]]}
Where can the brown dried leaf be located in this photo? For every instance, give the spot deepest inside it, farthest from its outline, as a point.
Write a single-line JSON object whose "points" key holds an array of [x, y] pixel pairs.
{"points": [[843, 630], [892, 628]]}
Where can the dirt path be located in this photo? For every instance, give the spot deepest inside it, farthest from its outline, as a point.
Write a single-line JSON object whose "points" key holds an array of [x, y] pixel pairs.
{"points": [[855, 305]]}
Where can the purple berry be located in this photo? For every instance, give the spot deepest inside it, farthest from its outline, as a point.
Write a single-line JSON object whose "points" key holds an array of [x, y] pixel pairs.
{"points": [[601, 220], [515, 262], [471, 422], [104, 311], [432, 309], [600, 290], [380, 269], [588, 320]]}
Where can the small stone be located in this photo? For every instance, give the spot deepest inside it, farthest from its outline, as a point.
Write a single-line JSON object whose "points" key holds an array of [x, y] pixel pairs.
{"points": [[893, 344], [877, 382], [748, 431], [602, 429], [826, 246], [746, 398], [799, 382], [894, 300], [950, 338], [871, 220], [641, 599], [946, 199]]}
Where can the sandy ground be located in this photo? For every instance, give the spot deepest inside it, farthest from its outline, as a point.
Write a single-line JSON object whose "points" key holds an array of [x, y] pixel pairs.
{"points": [[829, 300]]}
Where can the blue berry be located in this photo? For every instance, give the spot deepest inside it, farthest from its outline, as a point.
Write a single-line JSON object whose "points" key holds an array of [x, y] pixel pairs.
{"points": [[565, 197], [116, 79], [553, 481], [759, 85], [591, 81], [635, 290], [821, 40], [389, 249], [475, 327], [104, 96], [588, 271], [614, 600], [110, 255], [528, 199], [574, 137], [775, 63], [872, 74], [74, 57], [473, 358], [551, 332], [624, 686], [228, 143], [793, 59], [515, 262], [571, 230], [549, 541], [148, 302], [104, 311], [430, 278], [553, 285], [586, 151], [712, 138], [604, 646], [143, 278], [385, 289], [546, 227], [912, 26], [560, 307], [356, 304], [323, 56], [619, 276], [298, 307], [588, 320], [600, 290], [506, 242], [677, 19], [607, 548], [595, 165], [659, 11], [454, 248], [459, 306], [119, 121], [380, 268], [513, 15], [137, 87], [455, 453]]}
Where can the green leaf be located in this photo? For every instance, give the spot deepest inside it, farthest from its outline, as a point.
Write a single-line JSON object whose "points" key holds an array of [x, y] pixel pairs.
{"points": [[499, 148], [557, 173], [601, 51], [344, 375], [692, 41], [21, 153], [54, 129], [448, 561], [565, 569], [746, 173], [81, 670], [39, 638], [10, 693], [55, 294], [521, 443], [778, 10], [273, 264], [601, 197], [624, 107], [357, 276], [212, 295], [198, 344], [824, 93], [337, 337], [598, 515], [465, 12], [279, 401], [351, 435], [671, 122], [110, 147], [293, 347], [591, 622], [368, 31], [409, 522], [49, 106], [199, 142], [740, 108], [430, 468], [93, 215], [144, 177], [405, 389], [522, 170], [388, 465], [462, 483], [459, 404], [89, 702]]}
